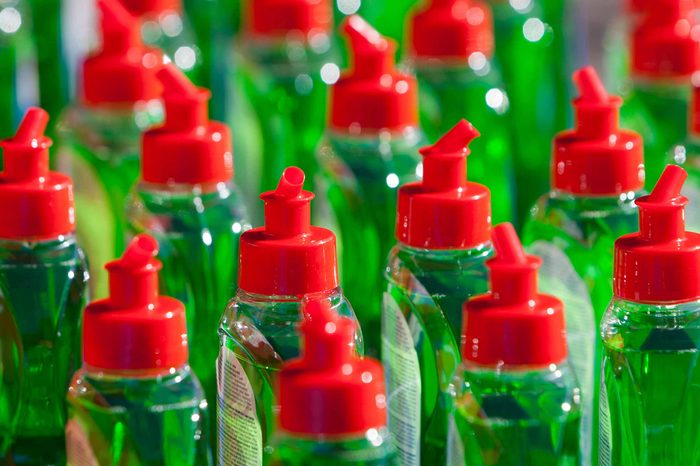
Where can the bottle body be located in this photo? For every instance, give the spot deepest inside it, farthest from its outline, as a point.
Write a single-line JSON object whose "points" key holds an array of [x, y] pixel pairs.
{"points": [[131, 418], [522, 416], [374, 448], [450, 92], [99, 149], [687, 155], [357, 200], [43, 289], [198, 231], [650, 384], [257, 334], [421, 328]]}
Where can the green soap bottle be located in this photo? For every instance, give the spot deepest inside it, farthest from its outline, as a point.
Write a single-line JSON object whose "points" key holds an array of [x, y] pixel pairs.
{"points": [[527, 50], [443, 227], [43, 288], [687, 155], [370, 148], [186, 199], [516, 398], [332, 402], [136, 400], [280, 264], [650, 335], [597, 175], [99, 137], [664, 57], [457, 77]]}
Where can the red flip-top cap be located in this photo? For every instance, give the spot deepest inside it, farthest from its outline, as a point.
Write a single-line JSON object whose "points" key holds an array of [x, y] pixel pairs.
{"points": [[660, 263], [278, 18], [35, 203], [597, 157], [373, 95], [666, 42], [188, 148], [513, 325], [452, 29], [123, 70], [444, 210], [150, 7], [288, 256], [135, 329], [330, 390]]}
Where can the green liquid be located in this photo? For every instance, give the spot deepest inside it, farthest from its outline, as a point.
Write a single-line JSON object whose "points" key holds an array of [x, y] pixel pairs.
{"points": [[450, 93], [372, 449], [426, 291], [506, 417], [122, 419], [42, 293], [357, 201], [688, 156], [651, 388]]}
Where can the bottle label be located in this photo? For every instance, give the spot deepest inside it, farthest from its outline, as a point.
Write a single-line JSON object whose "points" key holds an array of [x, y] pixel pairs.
{"points": [[559, 278], [604, 427], [78, 449], [403, 382], [240, 434], [692, 192], [455, 447]]}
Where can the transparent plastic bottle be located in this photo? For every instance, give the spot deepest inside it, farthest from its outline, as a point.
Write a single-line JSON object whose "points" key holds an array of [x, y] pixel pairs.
{"points": [[370, 148], [332, 402], [43, 284], [99, 138], [616, 44], [186, 200], [650, 372], [516, 399], [443, 228], [135, 400], [597, 174], [457, 77], [280, 264]]}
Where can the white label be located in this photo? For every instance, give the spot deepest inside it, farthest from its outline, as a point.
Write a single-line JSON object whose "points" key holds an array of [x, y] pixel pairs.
{"points": [[403, 382], [78, 449], [559, 278], [240, 434], [455, 447], [692, 211], [604, 427]]}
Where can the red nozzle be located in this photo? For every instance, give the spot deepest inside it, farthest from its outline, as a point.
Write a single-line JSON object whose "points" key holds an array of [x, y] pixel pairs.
{"points": [[372, 53], [445, 162], [330, 390], [661, 216], [120, 30], [185, 104], [513, 273], [133, 279], [279, 18], [152, 7], [26, 156], [288, 256], [590, 87]]}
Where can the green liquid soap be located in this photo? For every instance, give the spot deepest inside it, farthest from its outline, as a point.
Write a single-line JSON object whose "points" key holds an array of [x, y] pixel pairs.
{"points": [[436, 266], [43, 289]]}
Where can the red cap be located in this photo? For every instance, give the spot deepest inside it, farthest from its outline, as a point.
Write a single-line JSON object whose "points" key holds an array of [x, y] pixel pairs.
{"points": [[513, 325], [123, 70], [330, 390], [288, 256], [277, 18], [135, 329], [188, 148], [597, 157], [665, 42], [660, 263], [372, 95], [35, 203], [145, 7], [445, 211], [452, 29], [694, 119]]}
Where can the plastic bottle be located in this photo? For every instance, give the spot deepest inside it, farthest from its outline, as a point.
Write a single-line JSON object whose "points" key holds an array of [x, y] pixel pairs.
{"points": [[650, 370], [664, 56], [280, 264], [597, 175], [516, 397], [332, 402], [443, 227], [616, 44], [136, 400], [452, 50], [370, 149], [187, 201], [687, 155], [100, 136], [43, 282]]}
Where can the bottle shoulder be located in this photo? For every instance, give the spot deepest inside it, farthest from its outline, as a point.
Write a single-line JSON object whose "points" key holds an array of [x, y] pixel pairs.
{"points": [[628, 320], [420, 262]]}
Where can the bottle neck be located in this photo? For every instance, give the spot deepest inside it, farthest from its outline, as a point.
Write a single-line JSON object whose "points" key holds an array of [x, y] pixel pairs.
{"points": [[61, 248], [140, 376]]}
